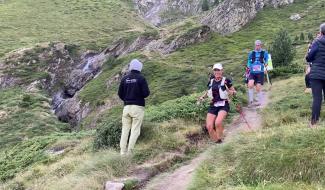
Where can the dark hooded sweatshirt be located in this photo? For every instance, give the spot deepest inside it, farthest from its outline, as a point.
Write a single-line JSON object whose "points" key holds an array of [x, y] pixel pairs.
{"points": [[133, 89], [316, 55]]}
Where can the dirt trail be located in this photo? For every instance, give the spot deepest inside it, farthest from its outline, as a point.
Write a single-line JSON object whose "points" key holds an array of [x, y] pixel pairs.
{"points": [[182, 177]]}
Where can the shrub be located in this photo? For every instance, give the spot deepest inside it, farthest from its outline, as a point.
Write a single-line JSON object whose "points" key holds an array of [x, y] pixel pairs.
{"points": [[282, 50], [302, 36], [17, 158], [310, 36], [108, 134], [285, 71], [184, 107], [205, 5]]}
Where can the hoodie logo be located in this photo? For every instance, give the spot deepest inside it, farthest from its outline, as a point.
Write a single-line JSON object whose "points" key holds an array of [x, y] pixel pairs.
{"points": [[129, 81]]}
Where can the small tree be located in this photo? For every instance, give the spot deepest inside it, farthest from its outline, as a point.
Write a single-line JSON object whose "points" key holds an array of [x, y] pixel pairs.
{"points": [[205, 5], [302, 36], [282, 49], [310, 36]]}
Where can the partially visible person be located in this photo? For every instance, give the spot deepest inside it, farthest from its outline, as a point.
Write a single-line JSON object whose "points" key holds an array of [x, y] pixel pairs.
{"points": [[307, 72], [219, 89], [257, 61], [307, 78], [316, 55], [133, 90]]}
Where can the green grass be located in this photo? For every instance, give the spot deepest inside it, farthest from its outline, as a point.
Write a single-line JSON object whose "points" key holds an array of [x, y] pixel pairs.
{"points": [[91, 24], [30, 152], [284, 152], [88, 24], [186, 71], [25, 115]]}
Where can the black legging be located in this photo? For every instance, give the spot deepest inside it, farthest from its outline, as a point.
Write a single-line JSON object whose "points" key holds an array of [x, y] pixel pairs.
{"points": [[317, 87]]}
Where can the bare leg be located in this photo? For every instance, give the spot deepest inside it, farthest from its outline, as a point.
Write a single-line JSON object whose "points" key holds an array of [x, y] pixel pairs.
{"points": [[218, 123], [210, 126]]}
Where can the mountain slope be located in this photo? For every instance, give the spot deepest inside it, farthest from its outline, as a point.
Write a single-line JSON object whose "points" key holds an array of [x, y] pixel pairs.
{"points": [[91, 24], [170, 76]]}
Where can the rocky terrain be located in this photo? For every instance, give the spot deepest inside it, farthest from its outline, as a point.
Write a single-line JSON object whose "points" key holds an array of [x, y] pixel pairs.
{"points": [[231, 15]]}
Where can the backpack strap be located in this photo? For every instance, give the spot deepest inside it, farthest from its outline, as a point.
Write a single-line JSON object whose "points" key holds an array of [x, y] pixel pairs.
{"points": [[262, 57], [211, 82], [223, 81], [253, 56]]}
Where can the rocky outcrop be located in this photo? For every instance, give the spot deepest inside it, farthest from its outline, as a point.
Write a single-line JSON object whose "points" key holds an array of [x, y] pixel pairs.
{"points": [[171, 44], [231, 15], [61, 71], [48, 63], [65, 102], [159, 12]]}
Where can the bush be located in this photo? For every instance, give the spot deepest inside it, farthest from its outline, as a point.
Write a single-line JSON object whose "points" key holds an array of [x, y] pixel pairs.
{"points": [[310, 36], [302, 36], [108, 134], [205, 5], [184, 107], [285, 71], [282, 50], [17, 158]]}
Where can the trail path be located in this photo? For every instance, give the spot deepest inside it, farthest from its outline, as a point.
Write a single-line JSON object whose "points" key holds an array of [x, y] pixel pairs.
{"points": [[182, 177]]}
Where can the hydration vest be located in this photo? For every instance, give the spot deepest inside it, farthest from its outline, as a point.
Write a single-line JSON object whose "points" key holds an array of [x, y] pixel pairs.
{"points": [[222, 92], [259, 66]]}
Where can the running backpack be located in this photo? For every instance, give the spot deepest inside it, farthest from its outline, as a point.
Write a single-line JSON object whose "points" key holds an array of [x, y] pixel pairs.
{"points": [[257, 67], [222, 93]]}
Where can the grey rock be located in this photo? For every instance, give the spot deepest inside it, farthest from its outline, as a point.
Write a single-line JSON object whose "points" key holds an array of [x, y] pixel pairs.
{"points": [[110, 185], [295, 17], [231, 15], [159, 12], [195, 35]]}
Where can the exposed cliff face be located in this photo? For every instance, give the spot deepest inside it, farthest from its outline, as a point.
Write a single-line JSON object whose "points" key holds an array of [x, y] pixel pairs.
{"points": [[159, 12], [62, 72], [231, 15]]}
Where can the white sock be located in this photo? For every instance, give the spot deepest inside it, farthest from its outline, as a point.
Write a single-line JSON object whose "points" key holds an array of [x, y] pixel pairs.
{"points": [[250, 95], [260, 97]]}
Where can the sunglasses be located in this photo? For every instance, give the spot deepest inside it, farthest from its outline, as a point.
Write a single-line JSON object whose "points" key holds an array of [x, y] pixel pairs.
{"points": [[216, 70]]}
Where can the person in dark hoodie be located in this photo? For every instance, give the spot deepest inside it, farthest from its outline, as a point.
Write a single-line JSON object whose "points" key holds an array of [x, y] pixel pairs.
{"points": [[316, 55], [133, 90]]}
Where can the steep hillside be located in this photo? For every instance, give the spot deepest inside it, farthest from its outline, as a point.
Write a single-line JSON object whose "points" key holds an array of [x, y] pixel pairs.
{"points": [[90, 24], [171, 131]]}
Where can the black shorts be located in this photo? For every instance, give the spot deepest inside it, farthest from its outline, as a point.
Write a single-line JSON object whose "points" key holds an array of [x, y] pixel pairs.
{"points": [[257, 77], [215, 110]]}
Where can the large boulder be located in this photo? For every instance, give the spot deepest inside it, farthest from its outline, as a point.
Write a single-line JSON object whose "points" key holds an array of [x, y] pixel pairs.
{"points": [[231, 15]]}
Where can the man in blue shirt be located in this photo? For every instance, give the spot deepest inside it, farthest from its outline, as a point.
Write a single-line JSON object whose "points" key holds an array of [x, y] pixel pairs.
{"points": [[257, 62]]}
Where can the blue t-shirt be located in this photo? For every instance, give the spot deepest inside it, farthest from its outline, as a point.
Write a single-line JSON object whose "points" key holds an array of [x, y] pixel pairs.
{"points": [[257, 66]]}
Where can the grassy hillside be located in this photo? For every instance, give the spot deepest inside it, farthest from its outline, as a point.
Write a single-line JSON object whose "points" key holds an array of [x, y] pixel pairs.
{"points": [[94, 24], [285, 153], [25, 115], [90, 24]]}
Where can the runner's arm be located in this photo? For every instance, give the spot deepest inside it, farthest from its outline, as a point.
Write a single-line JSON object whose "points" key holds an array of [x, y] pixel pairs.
{"points": [[249, 61], [266, 58]]}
